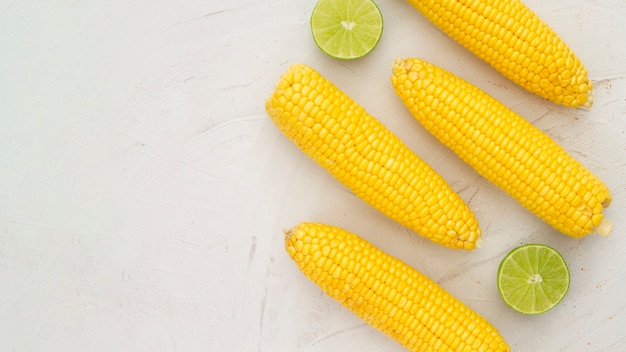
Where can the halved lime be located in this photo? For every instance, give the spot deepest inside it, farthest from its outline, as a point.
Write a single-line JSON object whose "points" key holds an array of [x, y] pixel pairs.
{"points": [[346, 29], [533, 278]]}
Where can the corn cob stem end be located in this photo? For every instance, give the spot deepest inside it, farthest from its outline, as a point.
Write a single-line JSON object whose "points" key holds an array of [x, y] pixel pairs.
{"points": [[605, 228], [478, 243]]}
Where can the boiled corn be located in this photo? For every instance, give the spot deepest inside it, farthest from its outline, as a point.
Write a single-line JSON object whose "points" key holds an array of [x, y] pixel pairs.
{"points": [[369, 159], [387, 293], [517, 43], [504, 148]]}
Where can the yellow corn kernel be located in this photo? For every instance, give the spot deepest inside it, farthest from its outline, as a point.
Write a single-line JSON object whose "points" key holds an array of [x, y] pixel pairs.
{"points": [[516, 42], [393, 297], [546, 180], [369, 159]]}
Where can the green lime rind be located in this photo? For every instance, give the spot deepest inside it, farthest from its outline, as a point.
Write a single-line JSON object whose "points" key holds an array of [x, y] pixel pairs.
{"points": [[533, 278], [346, 29]]}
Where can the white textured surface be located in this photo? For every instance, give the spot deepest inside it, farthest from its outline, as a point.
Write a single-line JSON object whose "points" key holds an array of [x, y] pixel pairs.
{"points": [[143, 188]]}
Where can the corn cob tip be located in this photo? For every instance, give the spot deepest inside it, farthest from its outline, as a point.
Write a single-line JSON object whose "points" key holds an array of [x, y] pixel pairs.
{"points": [[399, 64], [585, 101], [607, 201], [397, 61], [605, 228], [589, 102], [290, 232], [404, 66], [478, 243], [289, 247]]}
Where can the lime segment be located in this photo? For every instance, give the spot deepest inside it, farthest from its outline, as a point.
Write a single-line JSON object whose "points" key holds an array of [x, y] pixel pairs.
{"points": [[533, 278], [346, 29]]}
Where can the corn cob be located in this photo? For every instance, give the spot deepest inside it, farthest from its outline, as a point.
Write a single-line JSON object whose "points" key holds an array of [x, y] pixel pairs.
{"points": [[504, 148], [369, 159], [516, 42], [387, 293]]}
